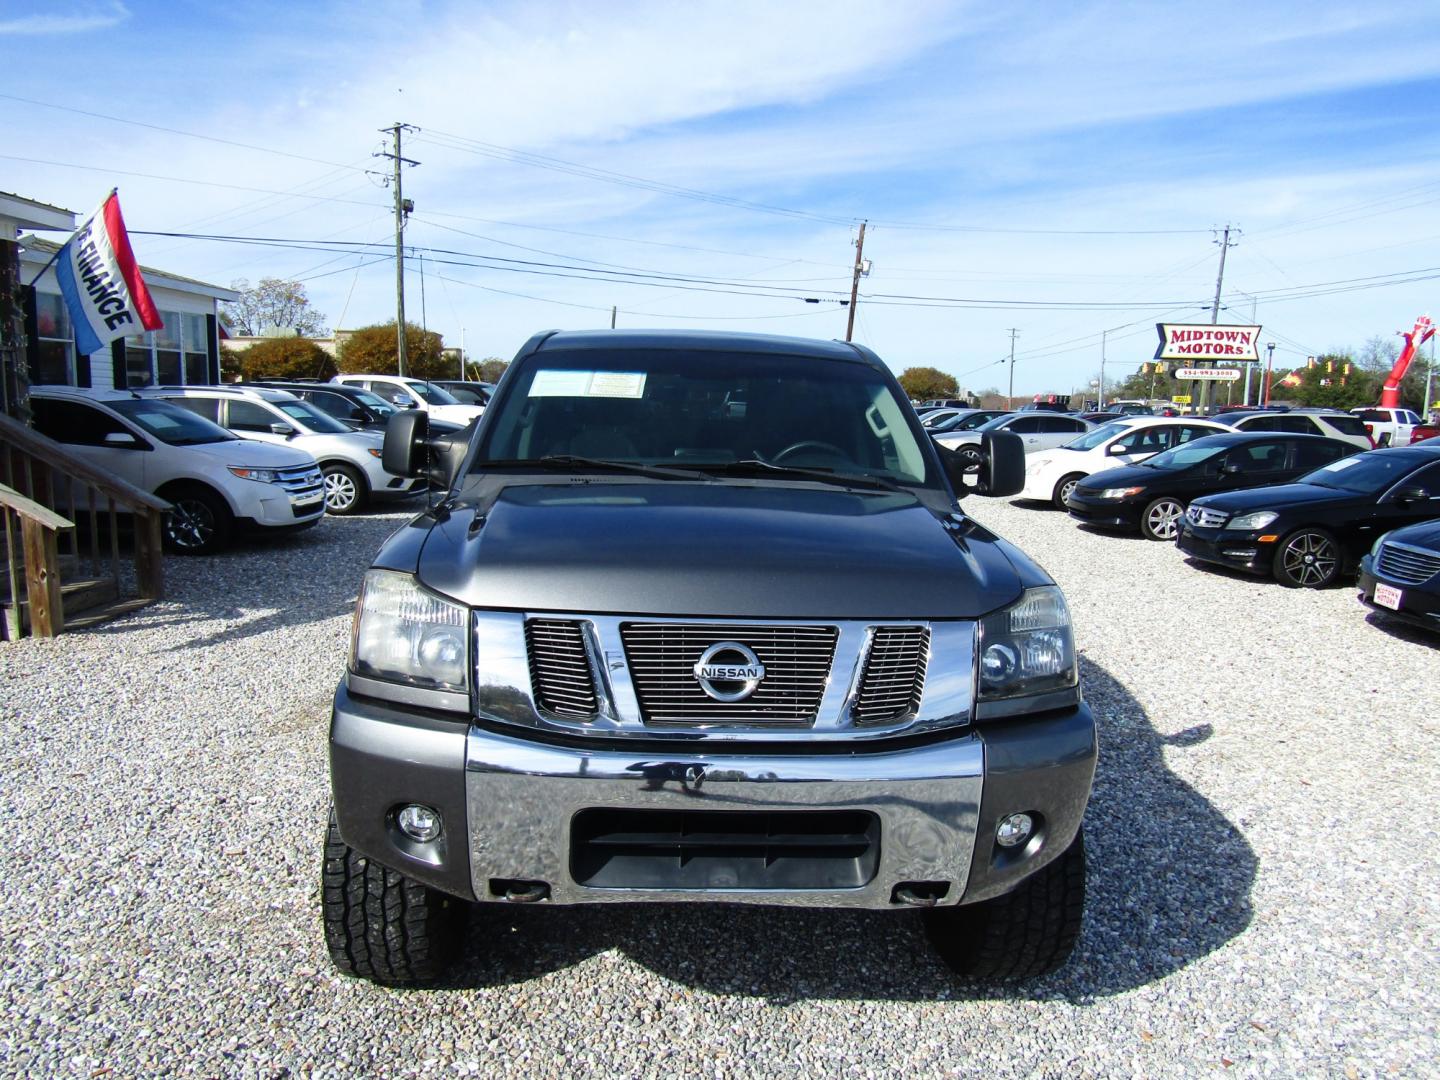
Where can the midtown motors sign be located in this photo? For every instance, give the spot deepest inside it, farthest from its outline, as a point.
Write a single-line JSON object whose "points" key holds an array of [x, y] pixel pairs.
{"points": [[1201, 341]]}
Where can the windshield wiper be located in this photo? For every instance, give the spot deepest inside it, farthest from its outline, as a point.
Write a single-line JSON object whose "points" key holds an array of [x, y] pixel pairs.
{"points": [[755, 465], [574, 461]]}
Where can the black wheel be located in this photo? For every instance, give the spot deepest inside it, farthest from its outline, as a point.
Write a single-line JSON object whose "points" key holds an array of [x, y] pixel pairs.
{"points": [[1025, 933], [1063, 489], [1308, 559], [198, 522], [344, 488], [380, 925], [1160, 520]]}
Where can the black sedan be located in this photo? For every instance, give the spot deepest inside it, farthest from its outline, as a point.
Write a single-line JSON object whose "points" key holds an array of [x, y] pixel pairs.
{"points": [[1401, 575], [1152, 496], [1311, 532]]}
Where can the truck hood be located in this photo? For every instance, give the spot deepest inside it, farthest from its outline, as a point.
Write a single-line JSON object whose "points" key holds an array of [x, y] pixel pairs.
{"points": [[716, 550]]}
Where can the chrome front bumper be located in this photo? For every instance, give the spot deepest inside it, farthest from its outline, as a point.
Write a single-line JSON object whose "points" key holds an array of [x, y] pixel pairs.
{"points": [[522, 797]]}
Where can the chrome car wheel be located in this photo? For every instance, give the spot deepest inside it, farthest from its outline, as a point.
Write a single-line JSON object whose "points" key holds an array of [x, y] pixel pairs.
{"points": [[342, 489], [1161, 520], [1308, 559]]}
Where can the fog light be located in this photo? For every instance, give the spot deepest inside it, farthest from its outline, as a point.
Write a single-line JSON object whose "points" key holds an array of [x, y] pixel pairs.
{"points": [[1014, 830], [419, 822]]}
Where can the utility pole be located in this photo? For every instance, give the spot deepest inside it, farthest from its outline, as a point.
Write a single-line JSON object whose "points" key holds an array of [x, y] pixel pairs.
{"points": [[860, 269], [1225, 246], [612, 316], [1010, 397], [1100, 398], [403, 206]]}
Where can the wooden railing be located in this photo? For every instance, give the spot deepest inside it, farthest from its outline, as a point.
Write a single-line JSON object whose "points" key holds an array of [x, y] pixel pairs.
{"points": [[63, 518]]}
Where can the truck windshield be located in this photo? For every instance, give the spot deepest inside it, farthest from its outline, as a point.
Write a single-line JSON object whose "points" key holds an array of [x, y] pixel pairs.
{"points": [[693, 409]]}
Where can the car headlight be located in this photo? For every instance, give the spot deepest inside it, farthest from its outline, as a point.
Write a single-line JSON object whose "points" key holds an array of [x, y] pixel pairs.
{"points": [[375, 451], [265, 476], [1120, 493], [1028, 648], [405, 633], [1257, 520]]}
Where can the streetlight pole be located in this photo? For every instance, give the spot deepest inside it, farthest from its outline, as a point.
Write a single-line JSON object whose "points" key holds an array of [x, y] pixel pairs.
{"points": [[1100, 397], [1010, 397], [1269, 362]]}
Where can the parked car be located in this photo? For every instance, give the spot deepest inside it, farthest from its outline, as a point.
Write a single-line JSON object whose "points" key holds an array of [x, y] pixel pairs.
{"points": [[349, 460], [465, 391], [1331, 424], [938, 414], [217, 484], [354, 406], [1311, 532], [1101, 417], [405, 393], [1131, 408], [1388, 427], [1154, 495], [651, 652], [947, 403], [1423, 431], [1038, 431], [1051, 475], [1401, 575], [963, 420], [1046, 406]]}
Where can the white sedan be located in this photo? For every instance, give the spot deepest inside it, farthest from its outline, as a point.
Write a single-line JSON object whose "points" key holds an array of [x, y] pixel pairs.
{"points": [[1051, 474]]}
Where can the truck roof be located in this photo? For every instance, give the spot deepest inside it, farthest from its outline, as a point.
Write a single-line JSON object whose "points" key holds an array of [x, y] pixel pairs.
{"points": [[718, 341]]}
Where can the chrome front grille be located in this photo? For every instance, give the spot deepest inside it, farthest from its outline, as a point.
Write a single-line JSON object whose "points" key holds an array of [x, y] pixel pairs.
{"points": [[894, 674], [301, 481], [662, 659], [560, 671], [1205, 518], [1406, 564]]}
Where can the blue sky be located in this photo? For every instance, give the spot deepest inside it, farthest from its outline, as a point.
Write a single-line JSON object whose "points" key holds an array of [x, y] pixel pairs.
{"points": [[1060, 164]]}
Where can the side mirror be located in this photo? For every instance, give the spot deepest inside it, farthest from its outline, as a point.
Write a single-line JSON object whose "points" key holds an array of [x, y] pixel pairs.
{"points": [[1230, 470], [122, 440], [404, 453], [1002, 464], [1116, 449], [1412, 493], [282, 429]]}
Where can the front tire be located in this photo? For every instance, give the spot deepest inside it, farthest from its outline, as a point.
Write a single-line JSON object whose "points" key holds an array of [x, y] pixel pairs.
{"points": [[379, 924], [1024, 934], [1308, 559], [1063, 489], [344, 488], [198, 522], [1160, 520]]}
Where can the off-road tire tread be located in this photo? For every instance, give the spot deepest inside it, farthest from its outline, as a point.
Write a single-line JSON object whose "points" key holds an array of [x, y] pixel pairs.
{"points": [[381, 925], [1021, 935]]}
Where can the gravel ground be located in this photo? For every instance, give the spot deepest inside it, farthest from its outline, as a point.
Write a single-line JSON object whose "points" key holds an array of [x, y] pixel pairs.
{"points": [[1264, 898]]}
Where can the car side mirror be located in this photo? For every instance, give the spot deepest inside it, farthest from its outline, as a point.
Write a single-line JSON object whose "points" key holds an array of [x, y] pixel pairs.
{"points": [[405, 452], [122, 440], [282, 429], [1002, 464], [1412, 493], [1116, 449], [1230, 470]]}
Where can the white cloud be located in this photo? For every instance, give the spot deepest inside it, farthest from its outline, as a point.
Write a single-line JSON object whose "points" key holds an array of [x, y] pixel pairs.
{"points": [[82, 19]]}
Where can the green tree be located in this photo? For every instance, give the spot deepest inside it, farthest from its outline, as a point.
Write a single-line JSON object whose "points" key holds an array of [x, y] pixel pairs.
{"points": [[924, 383], [1321, 385], [284, 358], [274, 304], [488, 370], [372, 350]]}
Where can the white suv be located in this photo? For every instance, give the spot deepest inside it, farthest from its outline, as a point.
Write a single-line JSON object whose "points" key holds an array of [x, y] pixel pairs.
{"points": [[1332, 425], [349, 460], [415, 394], [216, 484]]}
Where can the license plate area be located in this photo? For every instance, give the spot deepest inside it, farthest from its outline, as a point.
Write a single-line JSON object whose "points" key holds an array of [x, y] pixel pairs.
{"points": [[706, 850], [1388, 596]]}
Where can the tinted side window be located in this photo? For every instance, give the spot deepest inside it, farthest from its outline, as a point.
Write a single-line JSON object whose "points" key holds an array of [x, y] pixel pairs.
{"points": [[209, 408], [1057, 424], [1427, 478], [73, 422], [1347, 425], [1262, 423], [1296, 425], [247, 416], [1311, 455], [1258, 457], [1193, 431], [1025, 425], [341, 407]]}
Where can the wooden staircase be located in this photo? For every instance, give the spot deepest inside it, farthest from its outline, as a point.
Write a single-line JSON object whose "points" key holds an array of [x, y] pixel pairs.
{"points": [[62, 526]]}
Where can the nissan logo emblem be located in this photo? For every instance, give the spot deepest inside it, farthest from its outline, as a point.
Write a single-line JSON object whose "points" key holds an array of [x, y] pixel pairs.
{"points": [[729, 671]]}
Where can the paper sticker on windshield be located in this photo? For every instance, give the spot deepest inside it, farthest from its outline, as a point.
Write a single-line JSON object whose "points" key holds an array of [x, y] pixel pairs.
{"points": [[1343, 463], [608, 384]]}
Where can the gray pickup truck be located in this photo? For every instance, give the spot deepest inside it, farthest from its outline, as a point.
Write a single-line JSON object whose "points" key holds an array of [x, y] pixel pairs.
{"points": [[654, 647]]}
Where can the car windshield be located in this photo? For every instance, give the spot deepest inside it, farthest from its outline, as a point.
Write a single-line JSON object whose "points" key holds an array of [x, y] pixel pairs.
{"points": [[170, 423], [1366, 474], [312, 417], [995, 423], [430, 392], [668, 407], [1182, 457], [1099, 437]]}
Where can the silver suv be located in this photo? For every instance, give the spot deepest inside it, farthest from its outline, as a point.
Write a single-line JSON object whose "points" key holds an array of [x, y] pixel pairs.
{"points": [[349, 460]]}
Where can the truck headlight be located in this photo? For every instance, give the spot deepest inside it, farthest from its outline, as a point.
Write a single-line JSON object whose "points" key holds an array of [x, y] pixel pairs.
{"points": [[405, 633], [1257, 520], [1028, 648]]}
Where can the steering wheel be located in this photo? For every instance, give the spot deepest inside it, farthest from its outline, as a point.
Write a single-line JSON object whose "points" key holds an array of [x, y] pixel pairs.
{"points": [[810, 444]]}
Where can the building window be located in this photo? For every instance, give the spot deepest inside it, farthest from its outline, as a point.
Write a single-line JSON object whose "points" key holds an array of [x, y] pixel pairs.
{"points": [[177, 354], [53, 356]]}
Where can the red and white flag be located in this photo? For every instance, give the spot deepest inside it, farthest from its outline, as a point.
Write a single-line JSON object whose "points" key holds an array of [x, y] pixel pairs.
{"points": [[101, 283]]}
